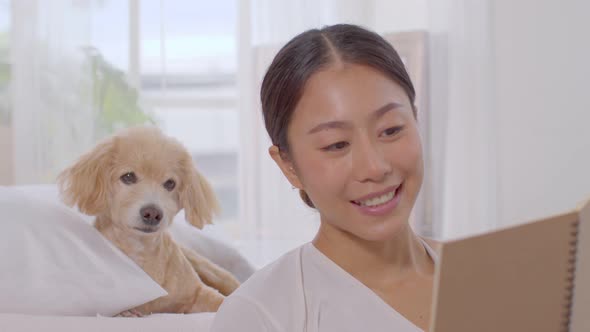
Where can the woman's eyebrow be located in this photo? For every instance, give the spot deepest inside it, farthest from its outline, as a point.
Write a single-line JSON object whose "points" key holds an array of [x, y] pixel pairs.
{"points": [[386, 108], [330, 125], [345, 125]]}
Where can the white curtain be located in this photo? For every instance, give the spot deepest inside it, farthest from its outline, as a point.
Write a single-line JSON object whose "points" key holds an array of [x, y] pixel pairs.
{"points": [[509, 101], [52, 113], [275, 22], [464, 118]]}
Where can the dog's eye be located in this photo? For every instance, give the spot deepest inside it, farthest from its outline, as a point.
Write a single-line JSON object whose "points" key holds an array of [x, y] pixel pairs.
{"points": [[169, 185], [129, 178]]}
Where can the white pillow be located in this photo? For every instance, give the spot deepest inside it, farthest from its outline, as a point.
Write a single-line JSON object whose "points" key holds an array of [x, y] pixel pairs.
{"points": [[54, 263]]}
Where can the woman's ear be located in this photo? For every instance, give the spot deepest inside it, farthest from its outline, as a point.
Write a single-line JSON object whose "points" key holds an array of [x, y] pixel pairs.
{"points": [[87, 183], [286, 166], [196, 196]]}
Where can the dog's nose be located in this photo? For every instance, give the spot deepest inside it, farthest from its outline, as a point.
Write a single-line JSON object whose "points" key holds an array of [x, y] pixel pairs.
{"points": [[151, 215]]}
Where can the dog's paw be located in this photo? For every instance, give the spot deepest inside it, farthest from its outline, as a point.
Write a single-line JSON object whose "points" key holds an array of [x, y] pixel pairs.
{"points": [[130, 313], [234, 284]]}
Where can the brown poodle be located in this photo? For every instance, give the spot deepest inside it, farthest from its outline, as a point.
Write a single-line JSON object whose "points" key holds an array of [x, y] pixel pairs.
{"points": [[135, 183]]}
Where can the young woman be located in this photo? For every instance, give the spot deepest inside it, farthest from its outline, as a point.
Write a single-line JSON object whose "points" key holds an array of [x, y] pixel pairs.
{"points": [[338, 105]]}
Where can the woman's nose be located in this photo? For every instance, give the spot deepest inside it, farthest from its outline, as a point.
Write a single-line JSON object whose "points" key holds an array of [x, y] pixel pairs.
{"points": [[370, 163]]}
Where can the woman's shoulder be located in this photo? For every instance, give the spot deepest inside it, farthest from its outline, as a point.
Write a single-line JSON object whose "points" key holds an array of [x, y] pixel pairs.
{"points": [[274, 280], [270, 296]]}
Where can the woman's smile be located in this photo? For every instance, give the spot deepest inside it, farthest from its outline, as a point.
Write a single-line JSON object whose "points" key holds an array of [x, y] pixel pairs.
{"points": [[380, 203]]}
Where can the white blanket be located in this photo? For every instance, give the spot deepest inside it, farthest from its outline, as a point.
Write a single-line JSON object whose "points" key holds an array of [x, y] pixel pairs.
{"points": [[200, 322]]}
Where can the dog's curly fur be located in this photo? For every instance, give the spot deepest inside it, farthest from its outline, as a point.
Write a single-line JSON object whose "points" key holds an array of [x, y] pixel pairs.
{"points": [[95, 184]]}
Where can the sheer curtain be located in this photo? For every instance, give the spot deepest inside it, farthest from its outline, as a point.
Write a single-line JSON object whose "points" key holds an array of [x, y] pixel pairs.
{"points": [[464, 116], [508, 91], [68, 85], [52, 89]]}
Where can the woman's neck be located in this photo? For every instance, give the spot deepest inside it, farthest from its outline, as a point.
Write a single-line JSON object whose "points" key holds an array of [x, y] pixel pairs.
{"points": [[376, 263]]}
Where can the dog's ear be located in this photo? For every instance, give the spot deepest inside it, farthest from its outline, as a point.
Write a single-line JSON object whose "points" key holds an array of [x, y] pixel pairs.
{"points": [[87, 183], [196, 196]]}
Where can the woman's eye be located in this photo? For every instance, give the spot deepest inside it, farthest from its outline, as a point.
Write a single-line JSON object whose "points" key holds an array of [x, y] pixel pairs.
{"points": [[336, 146], [128, 178], [169, 185], [391, 131]]}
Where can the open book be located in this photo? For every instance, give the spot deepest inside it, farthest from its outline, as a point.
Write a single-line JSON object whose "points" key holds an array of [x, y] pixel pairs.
{"points": [[530, 277]]}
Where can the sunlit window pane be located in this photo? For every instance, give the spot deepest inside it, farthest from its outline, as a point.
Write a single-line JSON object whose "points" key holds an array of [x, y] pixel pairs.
{"points": [[188, 37]]}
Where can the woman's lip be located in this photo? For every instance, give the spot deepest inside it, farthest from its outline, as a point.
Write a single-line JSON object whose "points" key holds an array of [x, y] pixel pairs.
{"points": [[382, 209], [377, 194]]}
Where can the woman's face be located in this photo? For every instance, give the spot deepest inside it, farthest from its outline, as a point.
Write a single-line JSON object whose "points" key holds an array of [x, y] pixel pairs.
{"points": [[355, 149]]}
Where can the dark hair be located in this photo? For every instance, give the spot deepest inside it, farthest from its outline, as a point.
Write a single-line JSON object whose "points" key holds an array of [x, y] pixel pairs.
{"points": [[312, 51]]}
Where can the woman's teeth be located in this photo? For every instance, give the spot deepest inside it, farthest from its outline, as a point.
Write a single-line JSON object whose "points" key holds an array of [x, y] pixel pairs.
{"points": [[377, 200]]}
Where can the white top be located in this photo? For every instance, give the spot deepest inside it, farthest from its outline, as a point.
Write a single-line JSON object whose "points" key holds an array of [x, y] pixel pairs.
{"points": [[305, 291]]}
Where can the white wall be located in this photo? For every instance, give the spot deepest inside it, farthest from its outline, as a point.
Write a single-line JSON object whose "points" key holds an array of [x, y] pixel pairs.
{"points": [[509, 100], [400, 15], [542, 60]]}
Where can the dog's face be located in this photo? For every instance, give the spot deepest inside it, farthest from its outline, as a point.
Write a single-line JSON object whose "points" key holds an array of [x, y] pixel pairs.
{"points": [[145, 186], [139, 179]]}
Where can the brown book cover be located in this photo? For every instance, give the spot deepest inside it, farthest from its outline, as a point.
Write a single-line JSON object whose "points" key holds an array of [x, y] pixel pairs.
{"points": [[530, 277]]}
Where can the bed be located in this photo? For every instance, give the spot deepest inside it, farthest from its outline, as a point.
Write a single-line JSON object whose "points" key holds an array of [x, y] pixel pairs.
{"points": [[58, 273], [153, 323]]}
